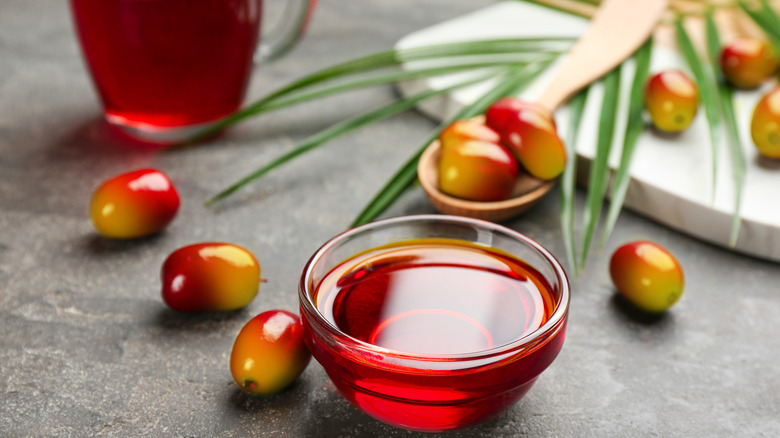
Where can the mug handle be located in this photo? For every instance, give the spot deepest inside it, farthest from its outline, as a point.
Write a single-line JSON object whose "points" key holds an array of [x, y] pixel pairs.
{"points": [[287, 33]]}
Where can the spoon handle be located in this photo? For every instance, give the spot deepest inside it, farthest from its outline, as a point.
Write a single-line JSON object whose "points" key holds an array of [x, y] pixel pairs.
{"points": [[617, 29]]}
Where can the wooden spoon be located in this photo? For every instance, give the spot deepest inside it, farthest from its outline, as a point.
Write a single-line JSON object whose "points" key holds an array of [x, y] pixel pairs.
{"points": [[617, 29]]}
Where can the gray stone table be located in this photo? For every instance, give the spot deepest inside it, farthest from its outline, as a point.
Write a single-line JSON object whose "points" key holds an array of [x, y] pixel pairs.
{"points": [[87, 347]]}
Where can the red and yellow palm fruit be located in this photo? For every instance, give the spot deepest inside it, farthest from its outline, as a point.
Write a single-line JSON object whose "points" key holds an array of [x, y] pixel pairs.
{"points": [[208, 277], [473, 165], [672, 100], [747, 62], [134, 204], [765, 124], [532, 138], [269, 353], [647, 275]]}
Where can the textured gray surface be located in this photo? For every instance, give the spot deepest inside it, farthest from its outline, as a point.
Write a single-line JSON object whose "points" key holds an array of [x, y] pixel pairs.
{"points": [[87, 348]]}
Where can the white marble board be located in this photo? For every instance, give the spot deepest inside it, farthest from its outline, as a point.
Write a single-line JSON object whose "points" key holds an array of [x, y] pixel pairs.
{"points": [[671, 176]]}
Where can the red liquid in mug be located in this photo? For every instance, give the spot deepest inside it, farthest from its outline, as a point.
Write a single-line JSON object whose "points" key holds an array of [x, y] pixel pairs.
{"points": [[168, 63], [437, 296]]}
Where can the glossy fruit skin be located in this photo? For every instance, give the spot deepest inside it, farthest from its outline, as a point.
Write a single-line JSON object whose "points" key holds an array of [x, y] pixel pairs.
{"points": [[210, 277], [747, 62], [647, 275], [134, 204], [672, 100], [505, 109], [461, 131], [269, 353], [765, 125], [532, 138], [473, 165]]}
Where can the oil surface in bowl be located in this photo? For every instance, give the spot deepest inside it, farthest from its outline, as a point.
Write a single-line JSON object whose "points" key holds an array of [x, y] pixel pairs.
{"points": [[435, 296]]}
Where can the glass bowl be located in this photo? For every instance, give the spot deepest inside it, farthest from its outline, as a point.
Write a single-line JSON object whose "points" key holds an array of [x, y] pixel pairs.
{"points": [[448, 387]]}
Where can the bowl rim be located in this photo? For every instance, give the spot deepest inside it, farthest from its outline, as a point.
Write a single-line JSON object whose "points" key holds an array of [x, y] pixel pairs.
{"points": [[553, 323]]}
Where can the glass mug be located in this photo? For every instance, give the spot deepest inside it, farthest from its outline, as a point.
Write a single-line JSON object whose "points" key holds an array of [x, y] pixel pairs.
{"points": [[166, 68]]}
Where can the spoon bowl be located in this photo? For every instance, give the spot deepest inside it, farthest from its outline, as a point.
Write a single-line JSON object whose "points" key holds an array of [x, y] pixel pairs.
{"points": [[527, 191]]}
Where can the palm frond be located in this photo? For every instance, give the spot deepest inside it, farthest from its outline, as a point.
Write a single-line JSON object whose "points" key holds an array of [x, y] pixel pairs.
{"points": [[569, 177], [726, 98], [381, 60], [599, 170], [634, 128], [343, 128], [708, 91], [766, 18]]}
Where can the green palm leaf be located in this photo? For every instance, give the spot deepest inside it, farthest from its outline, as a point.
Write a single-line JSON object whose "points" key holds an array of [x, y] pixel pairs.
{"points": [[397, 76], [569, 177], [709, 93], [771, 16], [599, 170], [767, 19], [382, 60], [634, 128], [340, 129], [726, 98]]}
